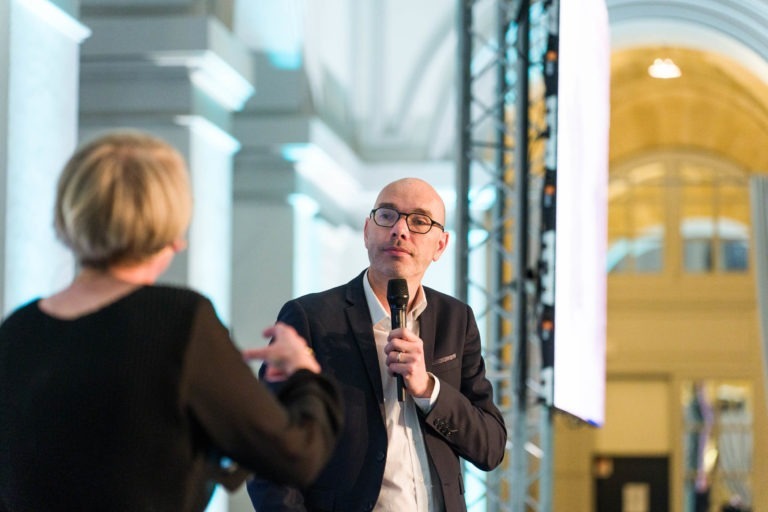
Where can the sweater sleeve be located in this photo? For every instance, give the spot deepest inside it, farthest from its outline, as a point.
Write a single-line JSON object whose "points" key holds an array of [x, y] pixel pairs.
{"points": [[286, 438]]}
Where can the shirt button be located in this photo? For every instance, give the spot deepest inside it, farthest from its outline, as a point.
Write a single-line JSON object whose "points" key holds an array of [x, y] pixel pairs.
{"points": [[380, 456]]}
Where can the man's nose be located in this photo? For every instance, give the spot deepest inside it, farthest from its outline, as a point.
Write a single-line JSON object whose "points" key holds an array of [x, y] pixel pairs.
{"points": [[400, 228]]}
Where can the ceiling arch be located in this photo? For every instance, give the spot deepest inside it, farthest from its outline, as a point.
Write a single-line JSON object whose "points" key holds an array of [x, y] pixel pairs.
{"points": [[717, 106], [382, 76], [743, 21]]}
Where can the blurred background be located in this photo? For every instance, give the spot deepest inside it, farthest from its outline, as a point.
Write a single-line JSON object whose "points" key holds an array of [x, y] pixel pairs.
{"points": [[292, 115]]}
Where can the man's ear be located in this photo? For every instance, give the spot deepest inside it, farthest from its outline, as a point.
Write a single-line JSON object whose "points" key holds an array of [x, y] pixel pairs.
{"points": [[365, 232], [442, 243]]}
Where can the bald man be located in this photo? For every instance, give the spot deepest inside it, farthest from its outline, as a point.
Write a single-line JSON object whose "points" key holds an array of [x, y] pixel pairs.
{"points": [[398, 456]]}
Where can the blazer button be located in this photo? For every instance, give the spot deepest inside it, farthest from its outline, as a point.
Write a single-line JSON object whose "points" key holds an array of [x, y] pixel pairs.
{"points": [[380, 456]]}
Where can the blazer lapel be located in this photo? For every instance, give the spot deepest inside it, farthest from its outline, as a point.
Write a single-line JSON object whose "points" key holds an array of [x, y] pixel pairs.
{"points": [[428, 331], [360, 321]]}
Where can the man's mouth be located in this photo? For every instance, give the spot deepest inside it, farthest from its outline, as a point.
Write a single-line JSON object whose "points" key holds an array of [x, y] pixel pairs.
{"points": [[392, 249]]}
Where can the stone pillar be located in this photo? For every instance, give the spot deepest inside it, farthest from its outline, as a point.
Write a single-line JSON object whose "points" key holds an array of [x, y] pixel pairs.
{"points": [[180, 77], [263, 245], [271, 123], [38, 110]]}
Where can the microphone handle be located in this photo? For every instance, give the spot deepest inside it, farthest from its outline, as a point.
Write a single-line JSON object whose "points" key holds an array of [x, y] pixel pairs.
{"points": [[398, 320]]}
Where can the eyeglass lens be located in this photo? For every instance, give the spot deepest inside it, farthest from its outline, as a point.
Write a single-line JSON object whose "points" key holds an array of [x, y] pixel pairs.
{"points": [[387, 217]]}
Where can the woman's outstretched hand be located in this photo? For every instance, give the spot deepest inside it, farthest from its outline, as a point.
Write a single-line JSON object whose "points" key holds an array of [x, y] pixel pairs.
{"points": [[286, 353]]}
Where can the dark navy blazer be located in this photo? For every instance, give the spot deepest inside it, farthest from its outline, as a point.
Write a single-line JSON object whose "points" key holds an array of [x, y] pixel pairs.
{"points": [[464, 421]]}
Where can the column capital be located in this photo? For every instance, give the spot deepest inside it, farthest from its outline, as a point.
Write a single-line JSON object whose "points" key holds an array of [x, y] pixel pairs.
{"points": [[216, 62], [56, 18]]}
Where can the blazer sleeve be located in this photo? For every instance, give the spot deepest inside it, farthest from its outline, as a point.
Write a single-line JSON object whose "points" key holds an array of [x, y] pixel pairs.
{"points": [[464, 415], [286, 437]]}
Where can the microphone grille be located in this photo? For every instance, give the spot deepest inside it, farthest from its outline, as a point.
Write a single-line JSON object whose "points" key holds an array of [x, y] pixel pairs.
{"points": [[397, 292]]}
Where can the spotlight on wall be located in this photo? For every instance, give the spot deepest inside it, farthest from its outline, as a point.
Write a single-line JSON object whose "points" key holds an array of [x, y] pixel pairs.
{"points": [[664, 69]]}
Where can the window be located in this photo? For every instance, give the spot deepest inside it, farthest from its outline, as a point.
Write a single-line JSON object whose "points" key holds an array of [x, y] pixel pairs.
{"points": [[678, 213]]}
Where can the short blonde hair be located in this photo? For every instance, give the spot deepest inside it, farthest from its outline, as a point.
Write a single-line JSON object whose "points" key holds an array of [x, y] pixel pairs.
{"points": [[122, 198]]}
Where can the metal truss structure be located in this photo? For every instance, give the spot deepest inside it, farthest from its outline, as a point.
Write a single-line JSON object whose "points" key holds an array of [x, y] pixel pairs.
{"points": [[505, 190]]}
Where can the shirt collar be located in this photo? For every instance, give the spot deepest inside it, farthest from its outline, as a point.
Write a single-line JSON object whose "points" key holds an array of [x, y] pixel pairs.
{"points": [[380, 312]]}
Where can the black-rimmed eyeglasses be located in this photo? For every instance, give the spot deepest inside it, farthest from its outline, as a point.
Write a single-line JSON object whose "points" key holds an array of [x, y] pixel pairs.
{"points": [[416, 222]]}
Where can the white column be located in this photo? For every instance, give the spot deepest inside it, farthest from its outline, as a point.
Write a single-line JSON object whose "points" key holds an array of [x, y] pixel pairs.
{"points": [[5, 63], [272, 120], [210, 235], [759, 207], [179, 77], [264, 249], [39, 133]]}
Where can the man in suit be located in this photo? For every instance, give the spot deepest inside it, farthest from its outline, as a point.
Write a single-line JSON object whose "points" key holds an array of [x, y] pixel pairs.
{"points": [[392, 455]]}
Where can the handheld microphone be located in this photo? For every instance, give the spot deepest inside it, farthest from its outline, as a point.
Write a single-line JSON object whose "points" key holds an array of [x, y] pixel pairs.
{"points": [[397, 297]]}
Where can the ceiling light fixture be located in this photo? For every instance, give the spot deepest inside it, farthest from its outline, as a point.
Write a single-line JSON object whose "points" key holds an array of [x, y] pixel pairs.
{"points": [[664, 69]]}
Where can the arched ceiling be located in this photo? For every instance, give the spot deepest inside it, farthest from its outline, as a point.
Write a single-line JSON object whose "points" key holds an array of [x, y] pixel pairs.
{"points": [[719, 105], [381, 77], [716, 106]]}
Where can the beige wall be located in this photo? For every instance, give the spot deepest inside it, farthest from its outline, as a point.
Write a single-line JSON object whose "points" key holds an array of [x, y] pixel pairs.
{"points": [[637, 418], [661, 336]]}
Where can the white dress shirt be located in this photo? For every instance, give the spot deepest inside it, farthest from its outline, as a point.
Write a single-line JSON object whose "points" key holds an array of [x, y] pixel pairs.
{"points": [[407, 483]]}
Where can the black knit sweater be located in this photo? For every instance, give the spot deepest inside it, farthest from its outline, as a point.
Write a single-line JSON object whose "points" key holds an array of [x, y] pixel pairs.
{"points": [[130, 408]]}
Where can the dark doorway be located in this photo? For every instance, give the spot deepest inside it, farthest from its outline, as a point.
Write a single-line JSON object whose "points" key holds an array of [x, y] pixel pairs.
{"points": [[631, 484]]}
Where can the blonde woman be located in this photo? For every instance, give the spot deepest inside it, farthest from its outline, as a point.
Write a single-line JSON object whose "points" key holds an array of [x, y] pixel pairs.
{"points": [[120, 394]]}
